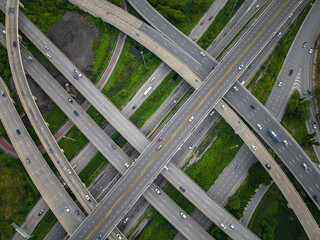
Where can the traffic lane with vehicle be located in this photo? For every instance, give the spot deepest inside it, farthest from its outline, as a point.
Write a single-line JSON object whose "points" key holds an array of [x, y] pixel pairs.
{"points": [[292, 154]]}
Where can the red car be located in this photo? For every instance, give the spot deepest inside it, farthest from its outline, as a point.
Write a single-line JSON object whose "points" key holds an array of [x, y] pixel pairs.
{"points": [[14, 43], [202, 22], [160, 138]]}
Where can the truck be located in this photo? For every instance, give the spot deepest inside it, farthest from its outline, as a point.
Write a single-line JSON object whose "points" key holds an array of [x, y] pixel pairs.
{"points": [[147, 91], [274, 135]]}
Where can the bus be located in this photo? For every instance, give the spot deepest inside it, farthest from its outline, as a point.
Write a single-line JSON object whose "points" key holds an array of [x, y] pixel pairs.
{"points": [[147, 91], [274, 135]]}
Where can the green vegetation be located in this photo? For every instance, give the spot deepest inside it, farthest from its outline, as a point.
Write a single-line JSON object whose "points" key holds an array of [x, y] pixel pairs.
{"points": [[44, 226], [5, 72], [93, 169], [18, 194], [154, 101], [317, 80], [263, 87], [238, 201], [182, 14], [273, 219], [292, 122], [204, 173], [45, 13], [219, 22], [55, 118], [130, 72]]}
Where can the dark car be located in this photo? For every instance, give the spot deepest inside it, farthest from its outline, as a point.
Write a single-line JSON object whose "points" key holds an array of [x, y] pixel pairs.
{"points": [[134, 106], [253, 107], [268, 166], [14, 43], [182, 189], [291, 71], [210, 18], [76, 212], [309, 91], [76, 113], [315, 198], [18, 131], [40, 213]]}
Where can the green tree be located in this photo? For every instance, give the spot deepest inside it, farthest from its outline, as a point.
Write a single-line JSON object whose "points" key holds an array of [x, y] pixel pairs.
{"points": [[234, 202], [257, 174], [298, 108], [309, 140]]}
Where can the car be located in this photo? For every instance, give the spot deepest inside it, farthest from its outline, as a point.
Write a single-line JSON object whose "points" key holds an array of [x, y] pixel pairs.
{"points": [[80, 75], [88, 198], [3, 94], [99, 237], [18, 131], [152, 79], [253, 107], [257, 6], [159, 139], [304, 44], [76, 71], [74, 166], [304, 166], [250, 66], [210, 18], [75, 76], [240, 67], [182, 189], [223, 107], [278, 34], [311, 50], [223, 226], [126, 165], [232, 227], [138, 34], [195, 37], [279, 83], [48, 55], [69, 171], [314, 125], [309, 91], [166, 168], [259, 126], [191, 146], [290, 72], [126, 220], [47, 48], [285, 142], [202, 22], [134, 106], [30, 58], [159, 147], [76, 212], [315, 198], [253, 147], [202, 54], [114, 147], [67, 209], [70, 100], [14, 43], [183, 215], [157, 191], [237, 168], [235, 88], [40, 213], [76, 113], [118, 236], [28, 160], [268, 166], [212, 112], [4, 31], [191, 118]]}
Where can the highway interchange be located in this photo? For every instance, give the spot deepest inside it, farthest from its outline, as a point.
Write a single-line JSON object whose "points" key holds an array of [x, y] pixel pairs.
{"points": [[192, 123]]}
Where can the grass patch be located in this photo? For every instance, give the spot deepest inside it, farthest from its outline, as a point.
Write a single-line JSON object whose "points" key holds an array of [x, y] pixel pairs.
{"points": [[18, 194], [270, 73], [204, 173], [129, 73], [93, 169], [221, 20], [144, 216], [154, 101], [273, 212], [56, 118], [44, 226]]}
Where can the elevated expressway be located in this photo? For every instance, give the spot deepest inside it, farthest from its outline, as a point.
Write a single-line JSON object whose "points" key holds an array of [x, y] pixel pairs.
{"points": [[180, 126], [296, 203], [46, 182], [103, 143]]}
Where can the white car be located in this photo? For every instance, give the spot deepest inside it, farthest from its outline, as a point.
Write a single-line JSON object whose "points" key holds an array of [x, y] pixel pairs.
{"points": [[126, 220], [285, 142], [47, 48], [190, 119], [223, 226], [88, 198], [157, 191], [48, 55], [152, 79], [166, 168], [223, 107], [259, 126], [69, 171], [235, 88], [279, 34], [314, 125], [211, 114], [311, 50], [279, 83], [240, 67], [183, 215], [232, 227], [191, 146], [254, 147], [119, 237], [202, 54], [67, 209], [126, 165]]}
